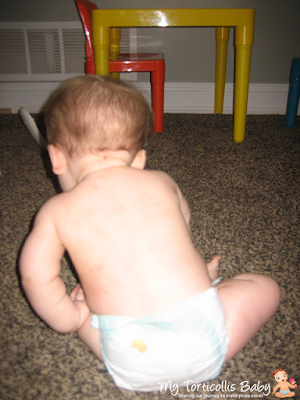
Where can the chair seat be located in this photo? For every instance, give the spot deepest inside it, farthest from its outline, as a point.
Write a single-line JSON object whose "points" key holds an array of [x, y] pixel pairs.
{"points": [[143, 62]]}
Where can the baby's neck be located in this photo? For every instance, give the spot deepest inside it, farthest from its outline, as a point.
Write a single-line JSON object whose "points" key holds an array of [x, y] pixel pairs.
{"points": [[83, 166], [73, 169]]}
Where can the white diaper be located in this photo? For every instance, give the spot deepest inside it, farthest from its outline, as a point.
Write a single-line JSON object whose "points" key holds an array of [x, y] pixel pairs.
{"points": [[188, 341]]}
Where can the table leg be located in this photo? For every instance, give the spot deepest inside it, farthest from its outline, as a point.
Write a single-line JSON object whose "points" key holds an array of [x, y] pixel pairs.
{"points": [[115, 40], [222, 36], [243, 46], [101, 49], [242, 74]]}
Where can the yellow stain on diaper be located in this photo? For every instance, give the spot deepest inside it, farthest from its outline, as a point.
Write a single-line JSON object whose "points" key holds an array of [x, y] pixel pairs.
{"points": [[140, 345]]}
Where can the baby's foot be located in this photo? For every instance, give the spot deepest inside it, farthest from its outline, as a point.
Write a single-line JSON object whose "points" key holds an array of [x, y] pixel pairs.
{"points": [[212, 267]]}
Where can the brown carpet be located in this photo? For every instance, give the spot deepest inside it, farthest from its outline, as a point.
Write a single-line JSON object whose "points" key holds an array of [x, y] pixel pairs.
{"points": [[245, 203]]}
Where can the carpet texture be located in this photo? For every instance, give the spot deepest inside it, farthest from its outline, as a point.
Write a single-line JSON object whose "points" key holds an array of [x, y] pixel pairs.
{"points": [[245, 205]]}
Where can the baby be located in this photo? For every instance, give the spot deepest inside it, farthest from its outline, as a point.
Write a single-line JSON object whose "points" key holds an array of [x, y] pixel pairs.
{"points": [[281, 377], [146, 304]]}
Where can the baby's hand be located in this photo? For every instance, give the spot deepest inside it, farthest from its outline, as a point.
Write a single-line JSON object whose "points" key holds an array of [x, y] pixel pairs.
{"points": [[212, 267], [77, 294], [78, 297]]}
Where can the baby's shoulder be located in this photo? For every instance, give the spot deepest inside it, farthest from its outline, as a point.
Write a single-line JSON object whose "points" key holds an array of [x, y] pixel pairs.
{"points": [[161, 177], [50, 208]]}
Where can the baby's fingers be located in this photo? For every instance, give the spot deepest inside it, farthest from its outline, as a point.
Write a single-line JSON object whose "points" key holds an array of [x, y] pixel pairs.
{"points": [[80, 295], [77, 293]]}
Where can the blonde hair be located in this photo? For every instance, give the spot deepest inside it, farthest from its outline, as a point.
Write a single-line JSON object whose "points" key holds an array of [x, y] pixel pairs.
{"points": [[91, 113]]}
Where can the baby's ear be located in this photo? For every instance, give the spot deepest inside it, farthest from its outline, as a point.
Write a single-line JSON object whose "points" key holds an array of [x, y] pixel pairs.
{"points": [[58, 159], [139, 160]]}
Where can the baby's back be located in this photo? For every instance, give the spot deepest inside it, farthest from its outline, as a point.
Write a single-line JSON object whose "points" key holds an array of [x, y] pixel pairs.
{"points": [[127, 235]]}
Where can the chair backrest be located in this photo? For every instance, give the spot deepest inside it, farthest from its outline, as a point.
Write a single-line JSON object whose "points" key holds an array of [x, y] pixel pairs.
{"points": [[85, 8]]}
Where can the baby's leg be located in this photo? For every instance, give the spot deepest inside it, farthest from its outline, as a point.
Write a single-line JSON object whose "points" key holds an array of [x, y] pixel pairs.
{"points": [[249, 301]]}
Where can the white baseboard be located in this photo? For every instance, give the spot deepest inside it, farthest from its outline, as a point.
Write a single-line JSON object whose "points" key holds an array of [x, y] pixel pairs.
{"points": [[194, 98]]}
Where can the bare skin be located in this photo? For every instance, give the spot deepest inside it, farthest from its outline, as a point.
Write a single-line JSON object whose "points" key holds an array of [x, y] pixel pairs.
{"points": [[127, 233]]}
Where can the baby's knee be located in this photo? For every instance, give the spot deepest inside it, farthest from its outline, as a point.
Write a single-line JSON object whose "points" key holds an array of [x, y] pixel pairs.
{"points": [[271, 287], [264, 284], [267, 283]]}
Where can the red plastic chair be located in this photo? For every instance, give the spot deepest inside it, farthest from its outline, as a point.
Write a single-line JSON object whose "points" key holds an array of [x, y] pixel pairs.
{"points": [[139, 62]]}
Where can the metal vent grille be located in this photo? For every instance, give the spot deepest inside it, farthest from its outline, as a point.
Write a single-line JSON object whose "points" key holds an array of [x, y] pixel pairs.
{"points": [[48, 51], [44, 51], [12, 52], [128, 40], [74, 50]]}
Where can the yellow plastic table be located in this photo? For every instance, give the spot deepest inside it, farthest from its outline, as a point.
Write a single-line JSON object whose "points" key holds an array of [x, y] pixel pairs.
{"points": [[241, 19]]}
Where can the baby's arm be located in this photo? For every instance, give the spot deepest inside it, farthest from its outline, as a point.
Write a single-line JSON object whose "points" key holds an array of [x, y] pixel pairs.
{"points": [[213, 265], [40, 267], [184, 207], [275, 388]]}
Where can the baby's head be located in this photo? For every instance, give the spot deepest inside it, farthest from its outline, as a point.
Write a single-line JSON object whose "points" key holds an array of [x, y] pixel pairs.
{"points": [[90, 113], [280, 375]]}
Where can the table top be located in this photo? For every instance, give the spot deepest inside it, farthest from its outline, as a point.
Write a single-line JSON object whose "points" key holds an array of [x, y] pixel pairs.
{"points": [[174, 17]]}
